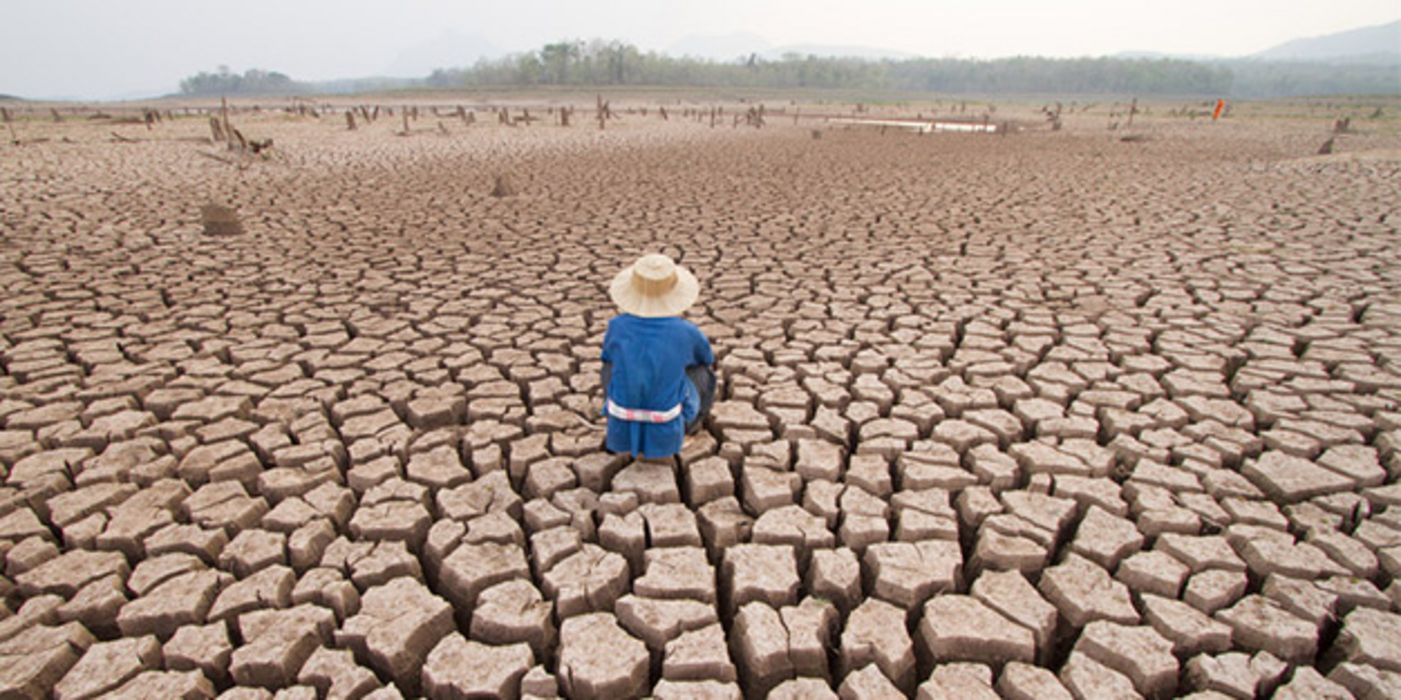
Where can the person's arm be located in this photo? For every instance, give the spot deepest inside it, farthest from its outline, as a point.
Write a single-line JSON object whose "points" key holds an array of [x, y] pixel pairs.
{"points": [[605, 373], [701, 352]]}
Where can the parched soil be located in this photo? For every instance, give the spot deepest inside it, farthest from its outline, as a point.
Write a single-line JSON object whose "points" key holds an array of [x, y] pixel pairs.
{"points": [[1043, 415]]}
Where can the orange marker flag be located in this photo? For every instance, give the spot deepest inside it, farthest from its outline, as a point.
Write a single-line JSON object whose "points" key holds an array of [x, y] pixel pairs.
{"points": [[1220, 105]]}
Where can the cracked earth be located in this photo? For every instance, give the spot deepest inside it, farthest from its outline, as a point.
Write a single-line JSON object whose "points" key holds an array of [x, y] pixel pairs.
{"points": [[1045, 415]]}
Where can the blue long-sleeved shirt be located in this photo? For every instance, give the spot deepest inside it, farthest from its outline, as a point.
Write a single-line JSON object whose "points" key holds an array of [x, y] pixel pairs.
{"points": [[649, 358]]}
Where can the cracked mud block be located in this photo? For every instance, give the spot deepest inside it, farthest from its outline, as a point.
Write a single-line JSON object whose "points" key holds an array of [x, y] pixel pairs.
{"points": [[182, 600], [1086, 678], [37, 658], [1083, 592], [1366, 682], [1371, 637], [1152, 572], [959, 628], [1010, 594], [868, 683], [107, 665], [797, 688], [333, 673], [1228, 674], [179, 685], [698, 655], [514, 611], [685, 690], [459, 668], [1020, 681], [677, 572], [584, 673], [590, 580], [68, 573], [1309, 683], [875, 634], [268, 587], [1213, 589], [908, 573], [1138, 652], [754, 572], [397, 626], [204, 648], [1259, 624], [1190, 630], [1106, 539], [658, 621], [472, 568], [760, 641], [959, 679], [276, 643]]}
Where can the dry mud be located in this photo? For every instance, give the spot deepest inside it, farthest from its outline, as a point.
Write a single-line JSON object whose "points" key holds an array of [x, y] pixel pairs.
{"points": [[1035, 416]]}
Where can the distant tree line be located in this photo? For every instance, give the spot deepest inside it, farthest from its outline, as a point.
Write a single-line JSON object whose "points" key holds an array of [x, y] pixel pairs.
{"points": [[616, 63], [602, 63], [224, 82]]}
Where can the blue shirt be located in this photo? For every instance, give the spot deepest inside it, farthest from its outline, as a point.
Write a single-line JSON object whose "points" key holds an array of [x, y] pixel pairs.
{"points": [[649, 358]]}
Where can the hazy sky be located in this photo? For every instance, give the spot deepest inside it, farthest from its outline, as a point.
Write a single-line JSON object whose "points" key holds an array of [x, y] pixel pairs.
{"points": [[106, 48]]}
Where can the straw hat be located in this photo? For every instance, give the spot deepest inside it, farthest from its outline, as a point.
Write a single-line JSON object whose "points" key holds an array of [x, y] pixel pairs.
{"points": [[654, 287]]}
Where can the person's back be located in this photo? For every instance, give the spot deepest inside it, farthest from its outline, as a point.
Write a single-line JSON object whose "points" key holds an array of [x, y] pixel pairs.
{"points": [[658, 384]]}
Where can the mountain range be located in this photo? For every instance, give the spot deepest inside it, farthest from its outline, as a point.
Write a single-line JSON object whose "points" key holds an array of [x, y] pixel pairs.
{"points": [[1379, 44]]}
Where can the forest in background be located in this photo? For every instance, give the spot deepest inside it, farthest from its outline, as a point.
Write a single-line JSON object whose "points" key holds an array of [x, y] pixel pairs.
{"points": [[615, 63]]}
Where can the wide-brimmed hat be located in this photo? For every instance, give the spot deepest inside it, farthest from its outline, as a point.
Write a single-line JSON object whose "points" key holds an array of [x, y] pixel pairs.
{"points": [[654, 287]]}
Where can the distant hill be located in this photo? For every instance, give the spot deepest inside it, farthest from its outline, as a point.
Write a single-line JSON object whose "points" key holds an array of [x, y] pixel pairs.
{"points": [[869, 53], [718, 47], [1377, 44]]}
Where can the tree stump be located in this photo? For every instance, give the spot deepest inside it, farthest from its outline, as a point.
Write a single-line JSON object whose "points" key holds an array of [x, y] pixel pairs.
{"points": [[220, 220], [504, 187]]}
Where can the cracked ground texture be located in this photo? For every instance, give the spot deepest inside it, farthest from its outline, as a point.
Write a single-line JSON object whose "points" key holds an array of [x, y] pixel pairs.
{"points": [[1047, 415]]}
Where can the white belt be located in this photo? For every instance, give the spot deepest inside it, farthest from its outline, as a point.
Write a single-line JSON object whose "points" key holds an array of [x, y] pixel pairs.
{"points": [[639, 415]]}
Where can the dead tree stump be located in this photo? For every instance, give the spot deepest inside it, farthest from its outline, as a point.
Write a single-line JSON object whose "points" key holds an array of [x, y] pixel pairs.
{"points": [[504, 187], [220, 220]]}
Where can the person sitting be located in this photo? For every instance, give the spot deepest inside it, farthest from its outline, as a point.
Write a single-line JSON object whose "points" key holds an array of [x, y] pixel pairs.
{"points": [[658, 375]]}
